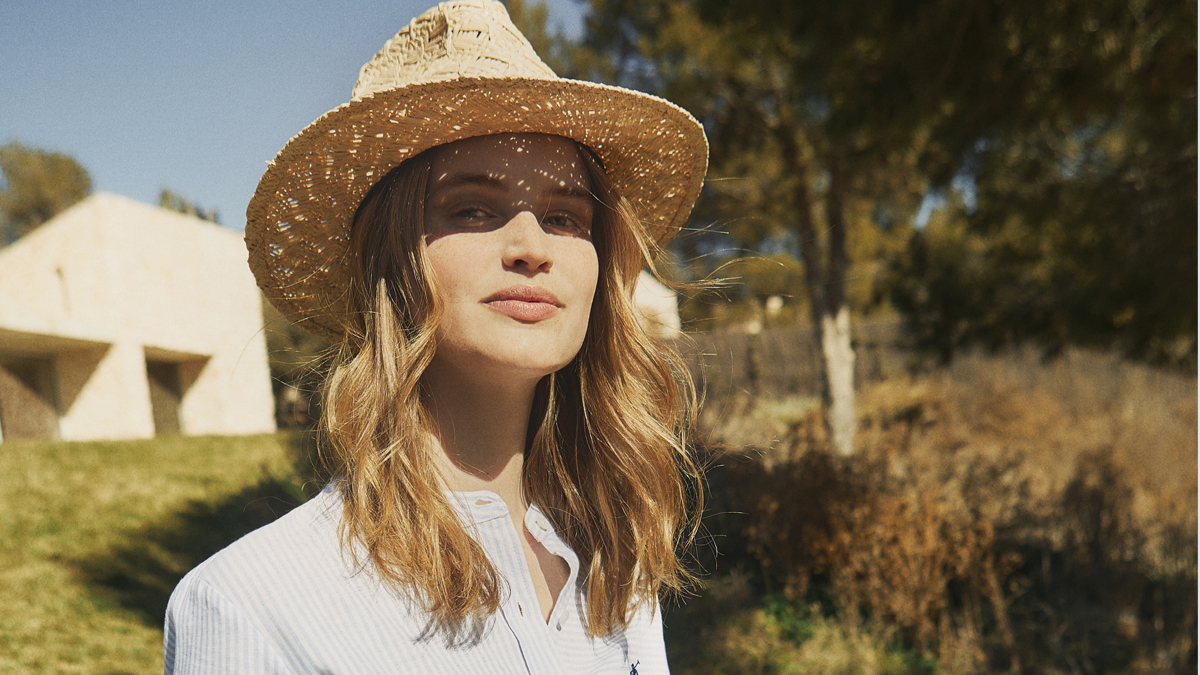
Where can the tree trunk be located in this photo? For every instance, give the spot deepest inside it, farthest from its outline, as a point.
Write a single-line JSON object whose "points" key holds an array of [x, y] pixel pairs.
{"points": [[826, 291], [841, 416]]}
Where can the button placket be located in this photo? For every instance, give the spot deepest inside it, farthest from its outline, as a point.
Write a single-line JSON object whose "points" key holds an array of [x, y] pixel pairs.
{"points": [[542, 530], [487, 517], [561, 621]]}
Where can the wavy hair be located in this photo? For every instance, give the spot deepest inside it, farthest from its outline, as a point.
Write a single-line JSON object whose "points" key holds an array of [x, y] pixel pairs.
{"points": [[607, 455]]}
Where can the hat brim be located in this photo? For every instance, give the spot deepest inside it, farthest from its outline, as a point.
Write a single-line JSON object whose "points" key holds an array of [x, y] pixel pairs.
{"points": [[298, 221]]}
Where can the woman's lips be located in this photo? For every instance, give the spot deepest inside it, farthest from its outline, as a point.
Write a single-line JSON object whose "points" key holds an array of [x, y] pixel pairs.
{"points": [[525, 303]]}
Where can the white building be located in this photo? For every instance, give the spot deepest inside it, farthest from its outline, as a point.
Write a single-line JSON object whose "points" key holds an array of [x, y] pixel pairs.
{"points": [[657, 305], [123, 320]]}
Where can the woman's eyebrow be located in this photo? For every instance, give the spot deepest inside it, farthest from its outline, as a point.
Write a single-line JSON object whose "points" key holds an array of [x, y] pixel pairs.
{"points": [[577, 192], [483, 179]]}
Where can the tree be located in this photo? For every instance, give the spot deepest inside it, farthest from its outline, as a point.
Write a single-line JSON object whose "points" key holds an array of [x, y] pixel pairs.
{"points": [[177, 202], [38, 185], [794, 149], [532, 19]]}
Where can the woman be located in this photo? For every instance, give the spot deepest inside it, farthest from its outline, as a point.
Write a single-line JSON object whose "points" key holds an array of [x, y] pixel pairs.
{"points": [[512, 480]]}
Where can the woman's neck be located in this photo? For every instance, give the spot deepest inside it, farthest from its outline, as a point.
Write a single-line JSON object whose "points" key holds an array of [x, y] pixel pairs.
{"points": [[479, 431], [480, 425]]}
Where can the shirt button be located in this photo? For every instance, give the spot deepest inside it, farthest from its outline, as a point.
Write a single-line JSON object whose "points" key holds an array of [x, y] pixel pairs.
{"points": [[559, 625], [542, 523]]}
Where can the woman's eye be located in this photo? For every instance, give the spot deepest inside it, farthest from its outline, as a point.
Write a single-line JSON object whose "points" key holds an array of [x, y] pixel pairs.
{"points": [[472, 213], [565, 224]]}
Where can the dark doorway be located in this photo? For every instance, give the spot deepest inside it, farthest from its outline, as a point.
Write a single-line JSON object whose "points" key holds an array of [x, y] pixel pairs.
{"points": [[28, 398], [166, 395]]}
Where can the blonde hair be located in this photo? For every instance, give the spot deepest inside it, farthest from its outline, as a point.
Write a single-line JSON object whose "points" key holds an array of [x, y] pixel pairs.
{"points": [[607, 456]]}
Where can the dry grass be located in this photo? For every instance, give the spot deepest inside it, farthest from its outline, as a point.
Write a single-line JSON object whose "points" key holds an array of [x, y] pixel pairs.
{"points": [[1003, 514]]}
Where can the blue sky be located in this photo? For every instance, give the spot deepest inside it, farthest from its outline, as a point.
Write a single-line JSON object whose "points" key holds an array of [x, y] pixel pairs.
{"points": [[194, 96]]}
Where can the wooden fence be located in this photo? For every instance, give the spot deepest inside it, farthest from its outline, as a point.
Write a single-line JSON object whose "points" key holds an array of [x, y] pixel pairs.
{"points": [[786, 361]]}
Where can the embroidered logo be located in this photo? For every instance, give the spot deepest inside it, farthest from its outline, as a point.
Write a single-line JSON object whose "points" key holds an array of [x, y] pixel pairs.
{"points": [[633, 668]]}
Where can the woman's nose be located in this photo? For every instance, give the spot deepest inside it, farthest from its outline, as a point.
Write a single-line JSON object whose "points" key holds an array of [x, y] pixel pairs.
{"points": [[526, 247]]}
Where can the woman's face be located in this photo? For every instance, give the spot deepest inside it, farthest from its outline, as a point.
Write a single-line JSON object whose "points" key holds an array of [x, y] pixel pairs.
{"points": [[508, 223]]}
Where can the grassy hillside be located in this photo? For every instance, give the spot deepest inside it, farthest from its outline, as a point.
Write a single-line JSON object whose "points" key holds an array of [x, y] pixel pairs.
{"points": [[97, 534]]}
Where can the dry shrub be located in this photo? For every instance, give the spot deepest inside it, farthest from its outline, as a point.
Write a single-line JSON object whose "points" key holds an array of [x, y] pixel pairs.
{"points": [[1004, 513], [753, 639]]}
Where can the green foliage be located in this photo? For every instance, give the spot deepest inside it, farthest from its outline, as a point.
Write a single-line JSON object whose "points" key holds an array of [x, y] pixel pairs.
{"points": [[728, 630], [532, 20], [763, 289], [1094, 281], [760, 78], [764, 276], [38, 186], [177, 202], [940, 285], [1083, 226]]}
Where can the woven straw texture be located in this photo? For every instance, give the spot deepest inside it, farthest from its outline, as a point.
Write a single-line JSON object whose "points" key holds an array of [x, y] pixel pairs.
{"points": [[460, 70]]}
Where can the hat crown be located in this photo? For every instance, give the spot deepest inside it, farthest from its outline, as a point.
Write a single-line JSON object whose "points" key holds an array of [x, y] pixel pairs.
{"points": [[464, 38]]}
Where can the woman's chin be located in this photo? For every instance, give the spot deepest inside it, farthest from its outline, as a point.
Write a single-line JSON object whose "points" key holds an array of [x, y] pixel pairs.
{"points": [[508, 366], [504, 348]]}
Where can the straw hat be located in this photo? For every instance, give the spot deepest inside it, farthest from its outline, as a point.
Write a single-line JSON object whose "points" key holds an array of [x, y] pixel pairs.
{"points": [[459, 70]]}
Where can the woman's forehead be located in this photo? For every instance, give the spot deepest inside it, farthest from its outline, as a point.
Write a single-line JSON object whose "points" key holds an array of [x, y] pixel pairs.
{"points": [[518, 158]]}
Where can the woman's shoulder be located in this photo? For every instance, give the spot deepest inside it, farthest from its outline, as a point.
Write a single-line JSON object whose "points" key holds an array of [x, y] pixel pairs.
{"points": [[299, 548], [282, 599]]}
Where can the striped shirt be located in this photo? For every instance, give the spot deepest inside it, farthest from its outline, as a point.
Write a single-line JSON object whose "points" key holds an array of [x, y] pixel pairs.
{"points": [[284, 599]]}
